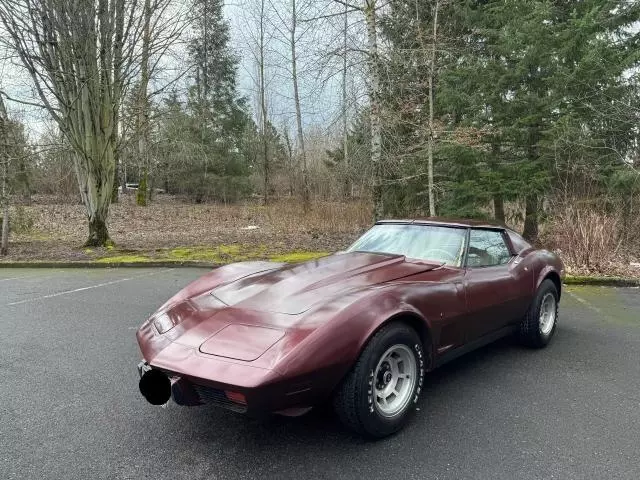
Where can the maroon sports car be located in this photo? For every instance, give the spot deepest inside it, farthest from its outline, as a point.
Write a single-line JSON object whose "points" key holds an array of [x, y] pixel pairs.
{"points": [[361, 327]]}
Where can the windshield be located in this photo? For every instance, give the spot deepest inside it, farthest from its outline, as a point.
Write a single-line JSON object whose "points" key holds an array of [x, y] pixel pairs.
{"points": [[421, 242]]}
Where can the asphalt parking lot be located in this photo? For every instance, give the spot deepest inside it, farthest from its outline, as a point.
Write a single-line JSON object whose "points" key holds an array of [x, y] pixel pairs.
{"points": [[70, 406]]}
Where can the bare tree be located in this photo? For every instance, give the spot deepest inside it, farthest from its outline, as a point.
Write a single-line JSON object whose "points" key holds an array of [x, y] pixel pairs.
{"points": [[291, 35], [263, 102], [374, 101], [431, 137], [69, 50], [345, 131], [296, 97], [118, 50], [81, 57], [142, 121], [4, 166], [369, 9]]}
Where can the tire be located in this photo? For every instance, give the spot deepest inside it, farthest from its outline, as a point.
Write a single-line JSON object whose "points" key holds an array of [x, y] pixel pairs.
{"points": [[394, 351], [534, 331]]}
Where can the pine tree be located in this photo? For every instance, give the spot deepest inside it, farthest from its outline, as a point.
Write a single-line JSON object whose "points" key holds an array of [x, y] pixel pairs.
{"points": [[215, 112], [427, 39], [514, 80], [540, 70], [214, 98]]}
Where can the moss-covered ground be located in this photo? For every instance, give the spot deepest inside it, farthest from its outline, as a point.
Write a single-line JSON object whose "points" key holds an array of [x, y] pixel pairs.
{"points": [[209, 254]]}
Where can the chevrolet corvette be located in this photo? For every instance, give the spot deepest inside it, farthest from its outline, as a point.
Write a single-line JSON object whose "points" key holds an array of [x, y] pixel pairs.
{"points": [[359, 328]]}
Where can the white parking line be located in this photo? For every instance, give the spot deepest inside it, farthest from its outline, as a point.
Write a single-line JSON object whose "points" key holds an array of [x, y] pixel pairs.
{"points": [[30, 277], [584, 302], [10, 278], [67, 292]]}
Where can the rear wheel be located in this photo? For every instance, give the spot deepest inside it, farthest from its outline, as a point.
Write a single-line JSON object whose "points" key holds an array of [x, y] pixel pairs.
{"points": [[377, 397], [539, 324]]}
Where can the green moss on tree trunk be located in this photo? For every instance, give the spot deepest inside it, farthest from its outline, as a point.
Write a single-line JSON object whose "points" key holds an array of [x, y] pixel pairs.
{"points": [[98, 233], [141, 195]]}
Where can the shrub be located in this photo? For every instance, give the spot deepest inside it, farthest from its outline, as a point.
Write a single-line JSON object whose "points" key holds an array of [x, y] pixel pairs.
{"points": [[588, 240], [21, 221]]}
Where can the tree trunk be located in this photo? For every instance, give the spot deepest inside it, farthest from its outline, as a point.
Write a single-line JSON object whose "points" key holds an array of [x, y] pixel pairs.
{"points": [[263, 108], [98, 233], [150, 187], [118, 46], [306, 201], [96, 194], [431, 139], [530, 231], [4, 194], [4, 242], [374, 100], [123, 180], [498, 208], [116, 179], [143, 109], [498, 199], [345, 133], [287, 144]]}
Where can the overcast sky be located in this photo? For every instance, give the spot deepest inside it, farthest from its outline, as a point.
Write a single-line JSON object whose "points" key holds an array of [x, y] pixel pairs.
{"points": [[319, 72]]}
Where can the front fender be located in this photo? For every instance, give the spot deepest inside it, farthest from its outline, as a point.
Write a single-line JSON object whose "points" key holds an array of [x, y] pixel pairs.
{"points": [[549, 263], [336, 344]]}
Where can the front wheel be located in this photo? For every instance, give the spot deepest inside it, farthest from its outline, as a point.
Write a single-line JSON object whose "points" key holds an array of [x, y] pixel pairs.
{"points": [[539, 324], [377, 397]]}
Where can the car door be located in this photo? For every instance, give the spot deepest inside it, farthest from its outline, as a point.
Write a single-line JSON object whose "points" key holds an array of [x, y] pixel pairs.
{"points": [[490, 282]]}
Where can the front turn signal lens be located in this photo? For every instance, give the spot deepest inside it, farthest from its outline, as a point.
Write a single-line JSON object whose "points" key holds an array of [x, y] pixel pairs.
{"points": [[236, 397], [163, 324]]}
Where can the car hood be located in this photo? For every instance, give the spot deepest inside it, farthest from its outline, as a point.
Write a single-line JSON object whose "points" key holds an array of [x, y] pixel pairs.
{"points": [[246, 315], [294, 289]]}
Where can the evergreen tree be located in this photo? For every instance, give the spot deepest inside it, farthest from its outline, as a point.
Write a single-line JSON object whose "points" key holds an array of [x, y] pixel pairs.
{"points": [[214, 97], [523, 90], [540, 69], [202, 140]]}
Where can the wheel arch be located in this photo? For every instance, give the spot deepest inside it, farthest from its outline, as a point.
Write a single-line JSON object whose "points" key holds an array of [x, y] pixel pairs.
{"points": [[555, 278], [414, 321]]}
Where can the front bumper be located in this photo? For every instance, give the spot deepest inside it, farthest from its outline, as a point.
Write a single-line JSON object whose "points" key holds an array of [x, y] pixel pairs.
{"points": [[290, 397], [143, 367], [187, 393]]}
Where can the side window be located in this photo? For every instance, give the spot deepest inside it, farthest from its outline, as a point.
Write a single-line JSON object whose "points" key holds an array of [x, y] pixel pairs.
{"points": [[487, 248]]}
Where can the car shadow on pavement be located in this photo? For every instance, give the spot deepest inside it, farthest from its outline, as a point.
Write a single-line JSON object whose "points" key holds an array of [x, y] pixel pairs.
{"points": [[318, 441], [321, 424]]}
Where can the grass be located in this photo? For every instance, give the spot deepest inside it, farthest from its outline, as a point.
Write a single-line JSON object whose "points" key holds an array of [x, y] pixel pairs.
{"points": [[203, 254], [216, 255], [600, 280], [611, 303], [297, 257], [123, 259]]}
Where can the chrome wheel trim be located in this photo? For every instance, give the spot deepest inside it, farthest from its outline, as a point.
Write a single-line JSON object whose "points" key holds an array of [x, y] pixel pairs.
{"points": [[547, 313], [394, 380]]}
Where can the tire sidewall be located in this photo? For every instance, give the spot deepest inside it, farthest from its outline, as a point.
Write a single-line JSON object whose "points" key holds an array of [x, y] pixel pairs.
{"points": [[373, 421], [546, 287]]}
